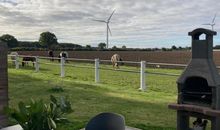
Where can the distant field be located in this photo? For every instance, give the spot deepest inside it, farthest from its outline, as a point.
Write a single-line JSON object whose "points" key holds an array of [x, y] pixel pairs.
{"points": [[118, 92], [177, 57]]}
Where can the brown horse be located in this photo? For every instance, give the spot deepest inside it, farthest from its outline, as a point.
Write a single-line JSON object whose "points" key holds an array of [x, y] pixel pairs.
{"points": [[50, 54], [115, 61]]}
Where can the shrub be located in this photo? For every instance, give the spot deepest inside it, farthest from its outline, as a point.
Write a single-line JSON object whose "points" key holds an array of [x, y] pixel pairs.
{"points": [[28, 49], [40, 116], [56, 89]]}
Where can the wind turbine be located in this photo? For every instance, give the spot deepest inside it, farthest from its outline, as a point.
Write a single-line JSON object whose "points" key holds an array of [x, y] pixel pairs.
{"points": [[212, 24], [107, 26]]}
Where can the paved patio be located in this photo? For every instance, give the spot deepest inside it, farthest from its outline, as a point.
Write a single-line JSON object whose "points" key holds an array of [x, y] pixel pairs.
{"points": [[18, 127], [127, 128], [15, 127]]}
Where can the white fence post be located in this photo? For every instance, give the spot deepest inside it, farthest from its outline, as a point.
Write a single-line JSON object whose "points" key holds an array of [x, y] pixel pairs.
{"points": [[16, 61], [97, 70], [62, 70], [142, 76], [37, 63]]}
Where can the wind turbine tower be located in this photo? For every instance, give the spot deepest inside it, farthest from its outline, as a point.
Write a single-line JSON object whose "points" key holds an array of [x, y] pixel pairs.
{"points": [[108, 30]]}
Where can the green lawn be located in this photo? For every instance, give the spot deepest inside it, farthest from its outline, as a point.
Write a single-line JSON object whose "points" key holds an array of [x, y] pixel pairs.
{"points": [[117, 92]]}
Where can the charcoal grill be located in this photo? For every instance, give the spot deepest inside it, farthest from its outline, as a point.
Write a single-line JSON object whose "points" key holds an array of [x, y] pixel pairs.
{"points": [[199, 84]]}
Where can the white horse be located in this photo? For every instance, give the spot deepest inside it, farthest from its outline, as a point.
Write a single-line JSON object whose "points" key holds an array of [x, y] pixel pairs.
{"points": [[115, 61]]}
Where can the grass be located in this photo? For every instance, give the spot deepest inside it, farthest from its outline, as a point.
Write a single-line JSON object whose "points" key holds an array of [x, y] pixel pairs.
{"points": [[117, 92]]}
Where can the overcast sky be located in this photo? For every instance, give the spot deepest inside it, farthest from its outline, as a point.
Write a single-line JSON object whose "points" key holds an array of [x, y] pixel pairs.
{"points": [[136, 23]]}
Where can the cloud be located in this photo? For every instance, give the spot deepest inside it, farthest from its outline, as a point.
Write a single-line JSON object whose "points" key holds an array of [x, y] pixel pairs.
{"points": [[139, 23], [8, 3]]}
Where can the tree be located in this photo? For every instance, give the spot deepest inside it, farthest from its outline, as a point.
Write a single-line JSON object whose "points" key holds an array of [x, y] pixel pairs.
{"points": [[88, 46], [217, 47], [47, 39], [124, 47], [10, 40], [180, 48], [114, 48], [173, 47], [164, 49], [102, 46]]}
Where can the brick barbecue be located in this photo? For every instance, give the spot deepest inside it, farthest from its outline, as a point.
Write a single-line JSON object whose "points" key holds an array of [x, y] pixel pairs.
{"points": [[199, 84]]}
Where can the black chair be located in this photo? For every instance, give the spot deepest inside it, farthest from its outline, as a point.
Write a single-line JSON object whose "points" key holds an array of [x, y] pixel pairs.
{"points": [[106, 121]]}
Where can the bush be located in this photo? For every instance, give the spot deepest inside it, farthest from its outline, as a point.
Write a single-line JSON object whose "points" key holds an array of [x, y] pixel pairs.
{"points": [[40, 116], [27, 49], [56, 89]]}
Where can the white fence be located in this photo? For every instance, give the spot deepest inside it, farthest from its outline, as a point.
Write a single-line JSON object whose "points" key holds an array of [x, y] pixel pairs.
{"points": [[97, 68], [15, 59]]}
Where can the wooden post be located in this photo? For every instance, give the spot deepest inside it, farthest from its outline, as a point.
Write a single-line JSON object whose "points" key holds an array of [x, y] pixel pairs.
{"points": [[3, 83]]}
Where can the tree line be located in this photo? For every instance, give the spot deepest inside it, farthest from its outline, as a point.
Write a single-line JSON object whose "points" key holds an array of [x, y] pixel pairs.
{"points": [[46, 41], [49, 41]]}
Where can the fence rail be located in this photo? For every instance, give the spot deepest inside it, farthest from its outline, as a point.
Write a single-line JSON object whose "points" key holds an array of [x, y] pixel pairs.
{"points": [[129, 62], [167, 64], [63, 62]]}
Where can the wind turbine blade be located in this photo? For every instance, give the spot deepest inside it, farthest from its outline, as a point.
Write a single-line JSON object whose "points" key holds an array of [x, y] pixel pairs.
{"points": [[99, 20], [207, 24], [214, 19], [111, 15], [109, 30]]}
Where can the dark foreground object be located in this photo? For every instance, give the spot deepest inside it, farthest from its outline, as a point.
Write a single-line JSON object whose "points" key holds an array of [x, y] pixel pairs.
{"points": [[3, 83], [199, 86], [106, 121]]}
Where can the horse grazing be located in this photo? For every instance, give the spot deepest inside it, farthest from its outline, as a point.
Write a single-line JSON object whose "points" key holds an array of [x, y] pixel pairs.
{"points": [[115, 61], [63, 54], [50, 54], [25, 60]]}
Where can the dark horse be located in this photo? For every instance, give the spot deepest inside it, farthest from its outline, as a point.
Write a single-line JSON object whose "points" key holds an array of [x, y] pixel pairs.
{"points": [[25, 60], [63, 54], [50, 54]]}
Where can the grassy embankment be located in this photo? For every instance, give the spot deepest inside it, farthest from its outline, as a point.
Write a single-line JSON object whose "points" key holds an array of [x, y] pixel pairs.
{"points": [[117, 92]]}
